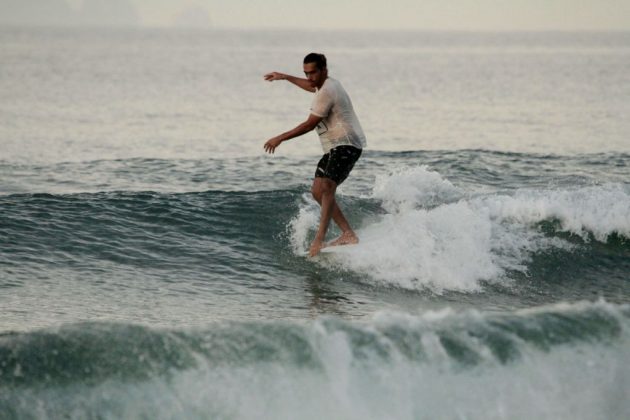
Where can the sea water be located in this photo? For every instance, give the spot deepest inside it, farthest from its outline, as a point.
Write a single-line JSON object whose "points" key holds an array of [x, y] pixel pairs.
{"points": [[150, 253]]}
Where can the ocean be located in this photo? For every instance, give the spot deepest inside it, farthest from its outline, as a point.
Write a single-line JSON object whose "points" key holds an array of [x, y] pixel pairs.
{"points": [[151, 254]]}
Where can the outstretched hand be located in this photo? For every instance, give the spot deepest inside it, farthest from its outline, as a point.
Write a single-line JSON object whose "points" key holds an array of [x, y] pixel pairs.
{"points": [[274, 75], [271, 144]]}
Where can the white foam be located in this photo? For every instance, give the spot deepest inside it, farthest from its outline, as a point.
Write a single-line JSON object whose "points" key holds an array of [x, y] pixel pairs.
{"points": [[436, 236], [447, 247], [409, 188], [306, 219], [599, 210]]}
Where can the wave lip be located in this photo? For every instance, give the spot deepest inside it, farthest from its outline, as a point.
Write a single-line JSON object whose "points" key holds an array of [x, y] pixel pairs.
{"points": [[93, 352]]}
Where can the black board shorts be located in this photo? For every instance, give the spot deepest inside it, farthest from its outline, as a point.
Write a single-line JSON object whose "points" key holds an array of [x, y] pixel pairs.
{"points": [[338, 163]]}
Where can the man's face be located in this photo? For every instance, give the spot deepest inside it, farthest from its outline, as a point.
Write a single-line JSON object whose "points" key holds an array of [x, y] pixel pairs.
{"points": [[315, 75]]}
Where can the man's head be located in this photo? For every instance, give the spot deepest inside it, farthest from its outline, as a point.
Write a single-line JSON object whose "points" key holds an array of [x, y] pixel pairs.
{"points": [[315, 69]]}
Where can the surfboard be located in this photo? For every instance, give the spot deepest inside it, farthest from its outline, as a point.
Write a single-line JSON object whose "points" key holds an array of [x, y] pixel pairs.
{"points": [[337, 249]]}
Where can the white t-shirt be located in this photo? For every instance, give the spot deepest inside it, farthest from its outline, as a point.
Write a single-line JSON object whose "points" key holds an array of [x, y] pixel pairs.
{"points": [[340, 125]]}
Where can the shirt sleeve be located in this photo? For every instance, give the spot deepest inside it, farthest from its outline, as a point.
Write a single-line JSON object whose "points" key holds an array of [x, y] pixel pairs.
{"points": [[322, 103]]}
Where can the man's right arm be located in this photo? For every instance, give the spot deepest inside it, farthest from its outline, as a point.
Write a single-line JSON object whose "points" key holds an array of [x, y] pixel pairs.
{"points": [[303, 83]]}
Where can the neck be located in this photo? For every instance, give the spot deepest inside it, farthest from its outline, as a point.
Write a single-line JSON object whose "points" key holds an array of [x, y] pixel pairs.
{"points": [[322, 83]]}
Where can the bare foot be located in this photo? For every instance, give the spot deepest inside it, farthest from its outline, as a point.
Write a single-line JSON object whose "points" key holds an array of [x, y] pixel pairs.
{"points": [[316, 246], [346, 238]]}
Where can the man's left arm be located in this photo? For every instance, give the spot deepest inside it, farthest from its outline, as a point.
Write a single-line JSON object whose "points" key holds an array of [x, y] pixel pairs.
{"points": [[308, 125]]}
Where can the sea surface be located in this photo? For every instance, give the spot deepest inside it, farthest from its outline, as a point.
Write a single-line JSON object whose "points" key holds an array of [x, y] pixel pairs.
{"points": [[151, 254]]}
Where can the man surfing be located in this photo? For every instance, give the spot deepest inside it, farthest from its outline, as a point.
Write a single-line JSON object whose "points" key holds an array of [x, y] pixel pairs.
{"points": [[341, 137]]}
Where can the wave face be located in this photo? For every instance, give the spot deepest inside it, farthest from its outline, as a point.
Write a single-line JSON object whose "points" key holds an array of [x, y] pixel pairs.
{"points": [[453, 230], [391, 366]]}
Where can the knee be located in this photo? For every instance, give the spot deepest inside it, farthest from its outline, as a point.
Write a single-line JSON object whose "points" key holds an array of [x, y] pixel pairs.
{"points": [[327, 187], [323, 187]]}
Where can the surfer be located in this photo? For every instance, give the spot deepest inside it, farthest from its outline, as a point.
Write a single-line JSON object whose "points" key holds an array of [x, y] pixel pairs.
{"points": [[342, 139]]}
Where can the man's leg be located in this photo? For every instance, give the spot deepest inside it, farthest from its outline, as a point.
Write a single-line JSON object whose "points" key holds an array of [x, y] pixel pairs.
{"points": [[323, 191]]}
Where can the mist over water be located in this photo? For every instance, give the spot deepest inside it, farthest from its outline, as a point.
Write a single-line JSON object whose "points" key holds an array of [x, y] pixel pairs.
{"points": [[151, 256]]}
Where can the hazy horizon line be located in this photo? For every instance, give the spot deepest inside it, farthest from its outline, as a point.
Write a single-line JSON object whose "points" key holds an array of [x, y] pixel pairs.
{"points": [[5, 25]]}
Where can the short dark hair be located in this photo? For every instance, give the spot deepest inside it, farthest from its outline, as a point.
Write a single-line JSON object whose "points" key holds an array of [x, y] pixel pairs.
{"points": [[318, 59]]}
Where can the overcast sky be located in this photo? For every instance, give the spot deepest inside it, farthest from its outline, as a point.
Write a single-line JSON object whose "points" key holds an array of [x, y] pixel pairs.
{"points": [[486, 15]]}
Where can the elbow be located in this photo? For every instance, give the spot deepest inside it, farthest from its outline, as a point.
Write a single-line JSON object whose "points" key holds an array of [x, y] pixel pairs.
{"points": [[308, 126]]}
